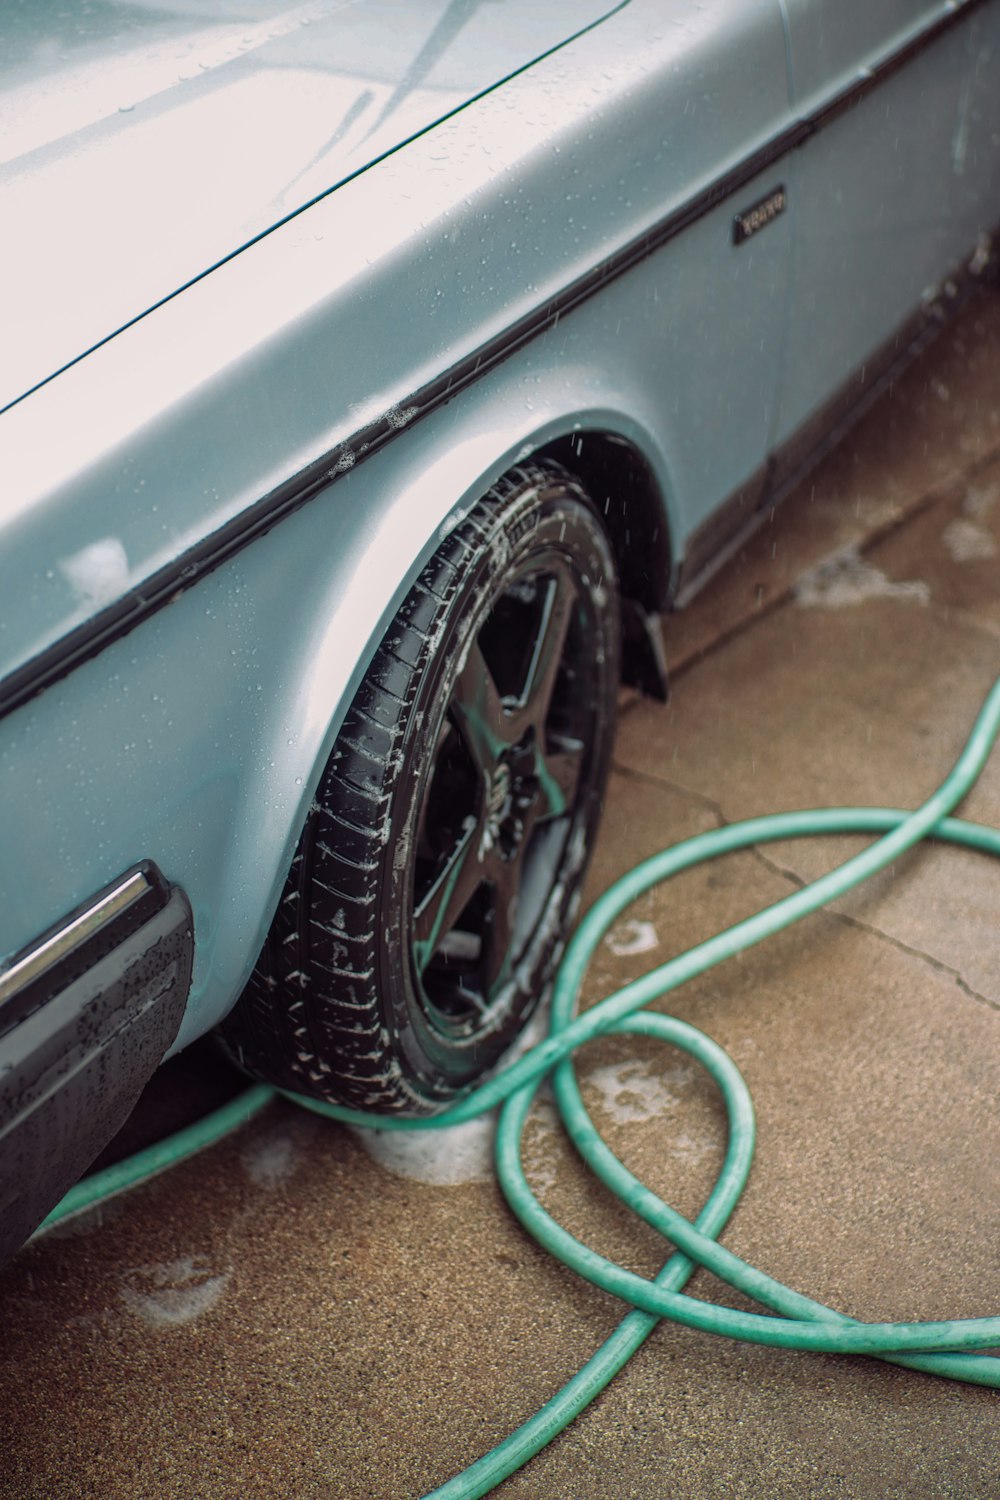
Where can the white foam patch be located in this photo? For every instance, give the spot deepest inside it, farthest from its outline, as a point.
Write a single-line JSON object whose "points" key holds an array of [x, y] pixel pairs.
{"points": [[966, 541], [440, 1158], [97, 574], [631, 937], [541, 1137], [631, 1092], [845, 579], [269, 1161], [457, 1154], [979, 502], [173, 1293]]}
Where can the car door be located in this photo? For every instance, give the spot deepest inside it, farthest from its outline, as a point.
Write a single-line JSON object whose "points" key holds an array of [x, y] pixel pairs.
{"points": [[710, 304], [895, 180]]}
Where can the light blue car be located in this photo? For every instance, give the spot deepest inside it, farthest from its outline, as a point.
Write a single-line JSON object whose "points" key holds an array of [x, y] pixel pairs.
{"points": [[373, 373]]}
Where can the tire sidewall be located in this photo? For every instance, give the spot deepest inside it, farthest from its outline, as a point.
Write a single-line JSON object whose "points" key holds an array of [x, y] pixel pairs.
{"points": [[542, 515]]}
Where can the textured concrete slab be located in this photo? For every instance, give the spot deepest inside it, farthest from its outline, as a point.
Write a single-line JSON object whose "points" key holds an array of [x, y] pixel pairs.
{"points": [[285, 1317]]}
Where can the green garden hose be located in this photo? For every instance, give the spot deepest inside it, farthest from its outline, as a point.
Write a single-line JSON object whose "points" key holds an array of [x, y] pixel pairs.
{"points": [[794, 1321]]}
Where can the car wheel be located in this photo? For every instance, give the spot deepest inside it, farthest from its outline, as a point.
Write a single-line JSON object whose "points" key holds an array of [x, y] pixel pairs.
{"points": [[441, 864]]}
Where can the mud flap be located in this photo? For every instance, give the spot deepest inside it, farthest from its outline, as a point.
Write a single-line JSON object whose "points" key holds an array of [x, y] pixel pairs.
{"points": [[644, 665]]}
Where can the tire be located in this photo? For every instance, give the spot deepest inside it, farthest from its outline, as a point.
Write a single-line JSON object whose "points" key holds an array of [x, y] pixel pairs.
{"points": [[440, 867]]}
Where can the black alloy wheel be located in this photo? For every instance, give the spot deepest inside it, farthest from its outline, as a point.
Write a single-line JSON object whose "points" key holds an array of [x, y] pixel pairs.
{"points": [[438, 873]]}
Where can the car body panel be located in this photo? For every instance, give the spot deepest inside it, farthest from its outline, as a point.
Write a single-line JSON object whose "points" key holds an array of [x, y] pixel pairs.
{"points": [[140, 148], [185, 419], [872, 239], [209, 522], [830, 46], [236, 788]]}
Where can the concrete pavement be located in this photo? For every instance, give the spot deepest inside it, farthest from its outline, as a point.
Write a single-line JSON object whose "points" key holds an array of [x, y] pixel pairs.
{"points": [[287, 1317]]}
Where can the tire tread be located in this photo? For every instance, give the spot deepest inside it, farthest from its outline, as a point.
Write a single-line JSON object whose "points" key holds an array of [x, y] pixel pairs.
{"points": [[324, 927]]}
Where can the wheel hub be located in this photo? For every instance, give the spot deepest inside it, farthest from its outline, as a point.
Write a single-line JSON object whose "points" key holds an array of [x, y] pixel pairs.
{"points": [[513, 787]]}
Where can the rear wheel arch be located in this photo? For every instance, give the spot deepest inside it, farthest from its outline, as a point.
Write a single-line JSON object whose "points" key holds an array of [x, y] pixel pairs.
{"points": [[629, 498]]}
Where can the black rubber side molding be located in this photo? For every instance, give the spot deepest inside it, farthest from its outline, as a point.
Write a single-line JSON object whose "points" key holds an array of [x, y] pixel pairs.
{"points": [[86, 1014]]}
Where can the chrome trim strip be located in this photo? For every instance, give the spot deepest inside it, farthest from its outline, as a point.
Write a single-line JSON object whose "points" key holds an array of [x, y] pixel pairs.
{"points": [[46, 954]]}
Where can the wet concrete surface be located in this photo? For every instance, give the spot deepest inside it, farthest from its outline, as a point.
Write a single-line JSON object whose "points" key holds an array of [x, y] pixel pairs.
{"points": [[285, 1317]]}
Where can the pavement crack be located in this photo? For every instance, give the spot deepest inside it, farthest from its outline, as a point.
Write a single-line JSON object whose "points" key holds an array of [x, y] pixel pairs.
{"points": [[785, 872], [928, 958], [857, 923], [740, 627], [665, 784], [773, 866]]}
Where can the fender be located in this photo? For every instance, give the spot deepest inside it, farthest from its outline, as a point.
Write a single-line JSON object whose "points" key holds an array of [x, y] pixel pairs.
{"points": [[227, 701]]}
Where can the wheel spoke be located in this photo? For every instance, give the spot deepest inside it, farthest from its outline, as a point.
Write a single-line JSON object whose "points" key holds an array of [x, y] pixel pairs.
{"points": [[507, 776], [548, 653], [424, 843], [558, 775], [477, 712], [447, 898], [504, 877]]}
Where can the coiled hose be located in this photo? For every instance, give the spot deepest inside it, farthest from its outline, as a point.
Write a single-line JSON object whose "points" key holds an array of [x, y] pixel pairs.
{"points": [[793, 1320]]}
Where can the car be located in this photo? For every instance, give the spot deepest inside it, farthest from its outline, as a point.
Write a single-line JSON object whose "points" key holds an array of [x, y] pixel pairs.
{"points": [[374, 378]]}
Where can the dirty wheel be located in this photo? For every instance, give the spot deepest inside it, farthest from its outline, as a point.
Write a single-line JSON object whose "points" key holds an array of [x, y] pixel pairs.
{"points": [[438, 872]]}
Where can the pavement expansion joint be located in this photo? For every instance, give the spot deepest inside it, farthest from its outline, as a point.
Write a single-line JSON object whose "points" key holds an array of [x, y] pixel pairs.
{"points": [[761, 611], [665, 784], [699, 799], [869, 928]]}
